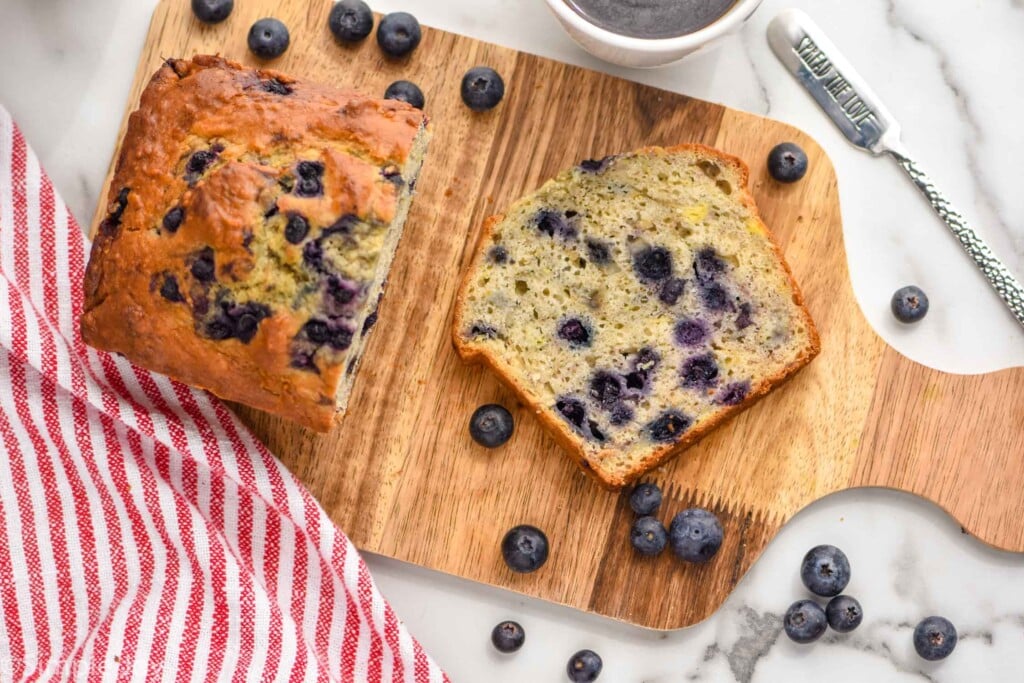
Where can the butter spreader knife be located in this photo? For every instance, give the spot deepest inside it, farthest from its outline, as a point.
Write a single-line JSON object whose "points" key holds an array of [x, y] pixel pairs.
{"points": [[858, 112]]}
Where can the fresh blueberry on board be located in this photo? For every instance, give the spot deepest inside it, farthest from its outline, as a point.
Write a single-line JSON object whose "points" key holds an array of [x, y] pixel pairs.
{"points": [[350, 20], [268, 38], [645, 499], [491, 425], [648, 536], [935, 638], [508, 636], [787, 163], [805, 621], [584, 666], [212, 11], [909, 304], [825, 570], [405, 91], [398, 34], [844, 613], [695, 535], [482, 88], [525, 549]]}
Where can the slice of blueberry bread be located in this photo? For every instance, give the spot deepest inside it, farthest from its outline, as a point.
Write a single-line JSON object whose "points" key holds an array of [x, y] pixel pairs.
{"points": [[635, 302], [252, 221]]}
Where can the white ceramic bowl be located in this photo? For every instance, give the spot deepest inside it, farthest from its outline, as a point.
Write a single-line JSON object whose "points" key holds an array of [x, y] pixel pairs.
{"points": [[643, 52]]}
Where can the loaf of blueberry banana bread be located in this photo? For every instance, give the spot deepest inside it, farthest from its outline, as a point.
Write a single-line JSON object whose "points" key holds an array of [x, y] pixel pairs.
{"points": [[252, 221], [635, 302]]}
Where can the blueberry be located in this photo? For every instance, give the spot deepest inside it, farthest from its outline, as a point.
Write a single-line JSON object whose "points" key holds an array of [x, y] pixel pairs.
{"points": [[707, 265], [350, 20], [671, 291], [584, 666], [572, 410], [695, 535], [169, 289], [203, 267], [825, 570], [621, 414], [653, 263], [605, 388], [643, 364], [199, 162], [173, 219], [296, 229], [525, 549], [787, 163], [340, 290], [370, 321], [268, 38], [491, 425], [309, 182], [645, 498], [909, 304], [599, 252], [508, 636], [935, 638], [398, 34], [733, 394], [341, 338], [700, 372], [498, 254], [844, 613], [597, 165], [393, 175], [648, 536], [554, 223], [239, 321], [112, 222], [405, 91], [804, 621], [483, 330], [317, 331], [714, 297], [574, 331], [482, 88], [212, 11], [690, 332], [668, 427], [272, 85], [744, 320]]}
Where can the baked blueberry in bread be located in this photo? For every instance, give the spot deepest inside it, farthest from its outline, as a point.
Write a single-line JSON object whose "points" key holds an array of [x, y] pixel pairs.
{"points": [[252, 221], [635, 302]]}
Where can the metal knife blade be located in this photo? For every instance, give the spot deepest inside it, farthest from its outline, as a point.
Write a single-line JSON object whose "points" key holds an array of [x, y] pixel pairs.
{"points": [[840, 91]]}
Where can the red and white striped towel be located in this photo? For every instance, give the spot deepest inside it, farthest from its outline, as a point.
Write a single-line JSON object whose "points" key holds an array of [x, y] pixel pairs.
{"points": [[145, 534]]}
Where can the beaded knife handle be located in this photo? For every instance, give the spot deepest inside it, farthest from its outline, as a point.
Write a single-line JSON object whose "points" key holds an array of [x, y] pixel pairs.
{"points": [[858, 112]]}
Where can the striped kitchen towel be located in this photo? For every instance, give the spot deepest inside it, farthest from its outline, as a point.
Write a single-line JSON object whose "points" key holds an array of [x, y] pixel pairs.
{"points": [[145, 534]]}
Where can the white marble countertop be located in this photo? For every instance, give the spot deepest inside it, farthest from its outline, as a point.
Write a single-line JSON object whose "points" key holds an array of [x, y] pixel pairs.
{"points": [[950, 71]]}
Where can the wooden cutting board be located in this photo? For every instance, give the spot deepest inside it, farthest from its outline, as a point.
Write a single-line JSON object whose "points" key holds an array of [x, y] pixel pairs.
{"points": [[401, 476]]}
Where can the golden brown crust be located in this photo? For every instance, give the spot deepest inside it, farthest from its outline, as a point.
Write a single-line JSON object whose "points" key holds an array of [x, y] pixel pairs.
{"points": [[190, 105], [568, 439]]}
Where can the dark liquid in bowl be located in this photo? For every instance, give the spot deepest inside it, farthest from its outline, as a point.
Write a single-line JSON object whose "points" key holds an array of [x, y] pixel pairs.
{"points": [[651, 18]]}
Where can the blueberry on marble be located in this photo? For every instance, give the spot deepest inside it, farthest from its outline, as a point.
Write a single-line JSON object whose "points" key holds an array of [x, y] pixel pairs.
{"points": [[212, 11], [350, 20], [909, 304], [843, 613], [597, 166], [296, 229], [744, 319], [825, 570], [200, 161], [671, 290], [584, 666], [645, 498], [714, 296], [599, 252], [787, 163], [707, 265], [732, 394], [491, 425], [690, 332], [668, 427], [203, 267], [398, 34], [574, 331], [700, 372], [804, 621], [696, 535], [605, 388], [173, 219], [497, 254], [572, 410], [405, 91], [169, 289], [648, 536], [273, 85], [309, 181], [482, 88], [268, 38], [525, 549], [653, 263], [935, 638], [555, 224], [112, 222], [507, 637]]}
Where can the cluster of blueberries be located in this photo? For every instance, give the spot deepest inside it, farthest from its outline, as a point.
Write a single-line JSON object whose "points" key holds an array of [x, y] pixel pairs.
{"points": [[351, 21], [825, 571]]}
